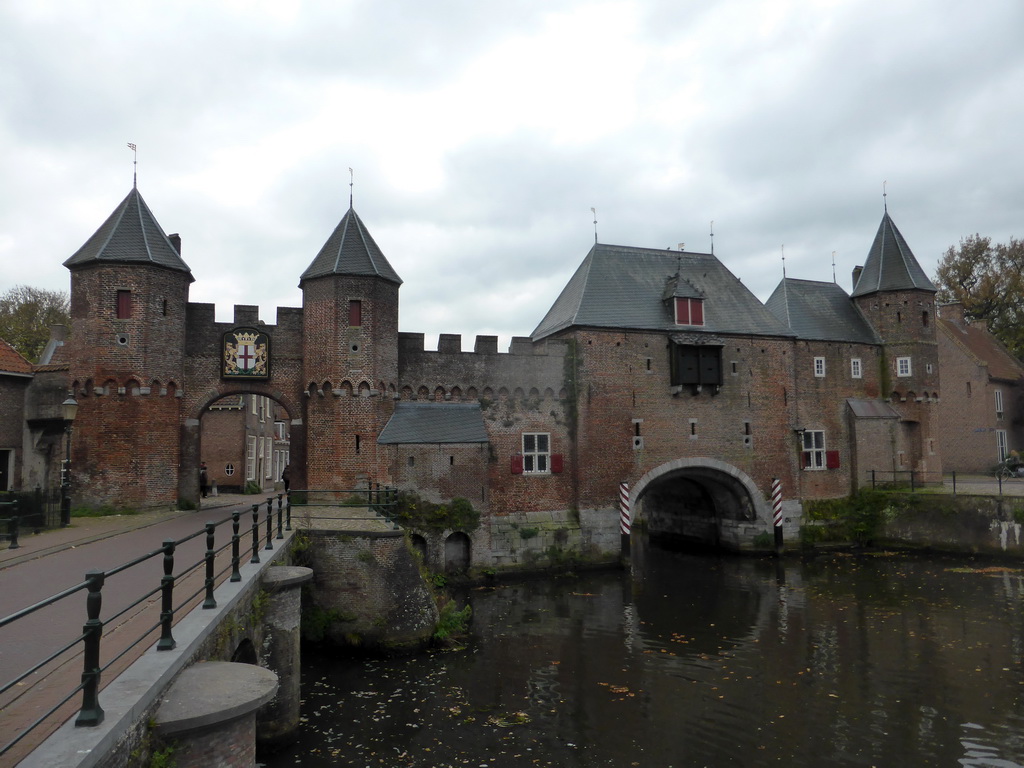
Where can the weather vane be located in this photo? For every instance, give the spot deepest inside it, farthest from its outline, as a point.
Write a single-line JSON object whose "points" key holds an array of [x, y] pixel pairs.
{"points": [[712, 237], [782, 250], [833, 266], [594, 211], [135, 164], [885, 205], [351, 185]]}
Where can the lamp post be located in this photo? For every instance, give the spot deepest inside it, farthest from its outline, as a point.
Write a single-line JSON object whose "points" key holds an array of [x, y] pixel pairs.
{"points": [[68, 409]]}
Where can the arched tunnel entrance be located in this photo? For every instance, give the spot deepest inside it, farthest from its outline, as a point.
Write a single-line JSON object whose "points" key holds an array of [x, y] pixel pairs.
{"points": [[700, 503]]}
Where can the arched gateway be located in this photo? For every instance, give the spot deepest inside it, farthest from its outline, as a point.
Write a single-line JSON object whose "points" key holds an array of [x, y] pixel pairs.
{"points": [[702, 501]]}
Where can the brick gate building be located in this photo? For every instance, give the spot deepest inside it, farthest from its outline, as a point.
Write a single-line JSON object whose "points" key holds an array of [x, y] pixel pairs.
{"points": [[656, 368]]}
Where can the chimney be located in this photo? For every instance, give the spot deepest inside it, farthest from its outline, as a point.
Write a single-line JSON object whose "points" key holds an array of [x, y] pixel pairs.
{"points": [[856, 274], [176, 242]]}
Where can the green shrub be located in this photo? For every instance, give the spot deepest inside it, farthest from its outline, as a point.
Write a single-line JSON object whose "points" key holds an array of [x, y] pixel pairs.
{"points": [[452, 622], [414, 512]]}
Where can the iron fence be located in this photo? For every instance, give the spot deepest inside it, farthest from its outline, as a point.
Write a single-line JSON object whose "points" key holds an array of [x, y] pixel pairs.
{"points": [[258, 528]]}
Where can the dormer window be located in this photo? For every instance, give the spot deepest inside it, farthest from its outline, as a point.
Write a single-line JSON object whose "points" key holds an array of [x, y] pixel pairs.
{"points": [[689, 311]]}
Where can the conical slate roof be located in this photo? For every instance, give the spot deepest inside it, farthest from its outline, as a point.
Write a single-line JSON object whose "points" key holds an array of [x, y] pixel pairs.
{"points": [[130, 235], [350, 250], [891, 265]]}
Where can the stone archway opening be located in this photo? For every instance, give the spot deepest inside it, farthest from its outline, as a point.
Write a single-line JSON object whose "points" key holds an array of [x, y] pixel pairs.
{"points": [[700, 504], [457, 549], [244, 441]]}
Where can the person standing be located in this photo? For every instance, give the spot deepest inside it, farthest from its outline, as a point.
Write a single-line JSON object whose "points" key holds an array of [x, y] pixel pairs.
{"points": [[286, 476], [204, 480]]}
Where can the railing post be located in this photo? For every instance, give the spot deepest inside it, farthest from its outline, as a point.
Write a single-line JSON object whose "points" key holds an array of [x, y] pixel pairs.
{"points": [[210, 602], [911, 481], [280, 517], [270, 522], [255, 533], [166, 641], [288, 512], [954, 482], [235, 547], [92, 712], [12, 528], [872, 479]]}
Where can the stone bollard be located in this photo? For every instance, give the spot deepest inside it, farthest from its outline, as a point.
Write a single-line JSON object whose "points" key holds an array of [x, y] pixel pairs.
{"points": [[210, 714], [278, 721]]}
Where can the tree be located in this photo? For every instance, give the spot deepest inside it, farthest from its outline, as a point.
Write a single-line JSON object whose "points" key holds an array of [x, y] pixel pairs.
{"points": [[989, 281], [26, 315]]}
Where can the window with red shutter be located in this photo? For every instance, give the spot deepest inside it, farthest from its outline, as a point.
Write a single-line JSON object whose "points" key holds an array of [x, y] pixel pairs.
{"points": [[355, 312]]}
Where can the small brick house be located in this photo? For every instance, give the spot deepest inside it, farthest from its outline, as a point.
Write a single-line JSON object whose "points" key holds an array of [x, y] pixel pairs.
{"points": [[654, 368], [982, 408]]}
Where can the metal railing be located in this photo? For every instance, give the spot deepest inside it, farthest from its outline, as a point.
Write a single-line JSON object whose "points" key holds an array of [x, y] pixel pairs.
{"points": [[35, 510], [382, 501], [88, 643]]}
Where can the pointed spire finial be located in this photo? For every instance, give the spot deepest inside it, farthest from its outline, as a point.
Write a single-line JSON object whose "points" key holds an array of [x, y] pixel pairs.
{"points": [[351, 185], [782, 249], [594, 211], [885, 204], [135, 165], [712, 237], [834, 267]]}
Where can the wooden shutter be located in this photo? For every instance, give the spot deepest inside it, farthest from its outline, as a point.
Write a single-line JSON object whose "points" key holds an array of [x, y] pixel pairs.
{"points": [[832, 459], [517, 464], [556, 463]]}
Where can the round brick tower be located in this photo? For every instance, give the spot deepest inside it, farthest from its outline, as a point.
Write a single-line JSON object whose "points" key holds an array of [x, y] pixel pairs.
{"points": [[350, 349], [898, 299], [129, 290]]}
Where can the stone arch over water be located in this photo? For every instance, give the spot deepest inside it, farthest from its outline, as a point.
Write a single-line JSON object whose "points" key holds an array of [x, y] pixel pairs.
{"points": [[702, 501]]}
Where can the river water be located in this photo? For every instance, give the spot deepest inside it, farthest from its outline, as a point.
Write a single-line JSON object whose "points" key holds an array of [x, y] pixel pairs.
{"points": [[884, 660]]}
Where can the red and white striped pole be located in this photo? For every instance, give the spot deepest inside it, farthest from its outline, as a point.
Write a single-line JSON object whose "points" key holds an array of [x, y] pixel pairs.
{"points": [[777, 511], [624, 516]]}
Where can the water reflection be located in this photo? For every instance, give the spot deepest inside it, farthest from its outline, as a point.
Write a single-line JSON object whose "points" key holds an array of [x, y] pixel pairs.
{"points": [[696, 660]]}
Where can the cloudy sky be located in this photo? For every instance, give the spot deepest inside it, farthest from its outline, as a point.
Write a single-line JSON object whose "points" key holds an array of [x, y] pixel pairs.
{"points": [[481, 134]]}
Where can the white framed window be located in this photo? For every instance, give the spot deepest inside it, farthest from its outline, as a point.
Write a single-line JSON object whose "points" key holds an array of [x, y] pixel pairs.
{"points": [[229, 469], [856, 370], [814, 449], [536, 452], [268, 465], [253, 399], [819, 367], [250, 457], [903, 366], [999, 406], [1001, 451]]}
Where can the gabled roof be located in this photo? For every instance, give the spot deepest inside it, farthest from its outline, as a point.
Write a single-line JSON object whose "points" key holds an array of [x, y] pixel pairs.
{"points": [[821, 311], [434, 423], [350, 250], [891, 265], [985, 348], [11, 361], [623, 287], [130, 235]]}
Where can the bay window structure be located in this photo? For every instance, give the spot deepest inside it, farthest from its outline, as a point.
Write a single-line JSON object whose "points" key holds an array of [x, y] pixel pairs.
{"points": [[696, 364]]}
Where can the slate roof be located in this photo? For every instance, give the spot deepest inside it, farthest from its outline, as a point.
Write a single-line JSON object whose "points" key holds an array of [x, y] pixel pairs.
{"points": [[624, 287], [434, 423], [980, 343], [891, 265], [11, 361], [820, 311], [350, 250], [130, 235]]}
